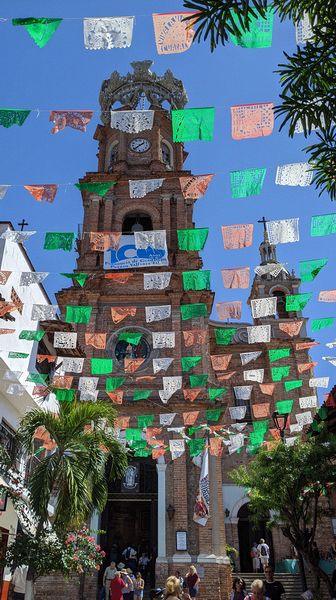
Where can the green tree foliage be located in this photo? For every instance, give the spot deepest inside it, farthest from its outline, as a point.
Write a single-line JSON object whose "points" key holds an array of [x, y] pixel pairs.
{"points": [[76, 472], [292, 482], [307, 77], [72, 477]]}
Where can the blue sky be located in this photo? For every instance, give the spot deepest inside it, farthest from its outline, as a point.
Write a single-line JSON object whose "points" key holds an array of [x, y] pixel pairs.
{"points": [[64, 75]]}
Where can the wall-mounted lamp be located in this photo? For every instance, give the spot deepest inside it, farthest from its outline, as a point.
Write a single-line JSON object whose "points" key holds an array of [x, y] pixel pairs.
{"points": [[170, 512], [227, 513]]}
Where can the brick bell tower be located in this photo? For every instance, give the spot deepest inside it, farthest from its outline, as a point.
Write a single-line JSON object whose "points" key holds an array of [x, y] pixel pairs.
{"points": [[117, 280]]}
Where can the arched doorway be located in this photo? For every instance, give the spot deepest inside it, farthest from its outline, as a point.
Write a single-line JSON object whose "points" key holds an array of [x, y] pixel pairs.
{"points": [[248, 533], [130, 515]]}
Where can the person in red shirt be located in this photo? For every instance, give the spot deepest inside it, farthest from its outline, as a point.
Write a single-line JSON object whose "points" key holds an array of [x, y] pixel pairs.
{"points": [[192, 579], [116, 587]]}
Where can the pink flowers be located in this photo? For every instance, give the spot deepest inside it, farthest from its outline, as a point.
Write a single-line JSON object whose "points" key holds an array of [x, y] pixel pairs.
{"points": [[83, 553]]}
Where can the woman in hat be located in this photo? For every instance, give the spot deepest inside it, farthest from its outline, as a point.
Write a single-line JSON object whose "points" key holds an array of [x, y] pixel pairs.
{"points": [[127, 591], [117, 585]]}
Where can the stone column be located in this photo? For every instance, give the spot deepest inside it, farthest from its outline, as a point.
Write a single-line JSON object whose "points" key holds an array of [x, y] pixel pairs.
{"points": [[180, 496], [162, 552], [213, 564], [95, 524]]}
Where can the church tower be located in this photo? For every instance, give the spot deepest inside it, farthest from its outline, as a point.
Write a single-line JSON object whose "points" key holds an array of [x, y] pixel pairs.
{"points": [[146, 319], [273, 279]]}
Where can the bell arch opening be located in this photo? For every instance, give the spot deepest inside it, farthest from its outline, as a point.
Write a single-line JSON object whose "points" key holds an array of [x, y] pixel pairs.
{"points": [[136, 221], [281, 303]]}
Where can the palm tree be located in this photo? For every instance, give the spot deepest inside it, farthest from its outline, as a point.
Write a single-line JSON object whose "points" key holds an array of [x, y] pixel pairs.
{"points": [[74, 475]]}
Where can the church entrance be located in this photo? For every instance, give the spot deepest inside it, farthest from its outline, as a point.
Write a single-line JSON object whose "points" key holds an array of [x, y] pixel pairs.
{"points": [[248, 533], [130, 516]]}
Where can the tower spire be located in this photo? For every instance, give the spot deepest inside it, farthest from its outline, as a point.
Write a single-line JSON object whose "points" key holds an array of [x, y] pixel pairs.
{"points": [[266, 249]]}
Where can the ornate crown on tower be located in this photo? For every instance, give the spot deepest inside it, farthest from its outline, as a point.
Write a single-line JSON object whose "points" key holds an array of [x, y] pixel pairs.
{"points": [[131, 88]]}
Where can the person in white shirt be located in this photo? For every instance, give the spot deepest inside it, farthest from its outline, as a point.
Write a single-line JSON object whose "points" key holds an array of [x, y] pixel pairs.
{"points": [[264, 552], [19, 582], [109, 573]]}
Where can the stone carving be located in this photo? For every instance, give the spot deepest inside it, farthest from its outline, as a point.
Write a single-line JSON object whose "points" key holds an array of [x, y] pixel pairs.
{"points": [[129, 89]]}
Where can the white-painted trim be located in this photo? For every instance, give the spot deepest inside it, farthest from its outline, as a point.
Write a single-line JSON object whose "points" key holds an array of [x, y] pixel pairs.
{"points": [[161, 467], [237, 506]]}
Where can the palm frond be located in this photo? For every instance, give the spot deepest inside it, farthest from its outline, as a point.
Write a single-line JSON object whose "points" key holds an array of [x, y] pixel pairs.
{"points": [[215, 19]]}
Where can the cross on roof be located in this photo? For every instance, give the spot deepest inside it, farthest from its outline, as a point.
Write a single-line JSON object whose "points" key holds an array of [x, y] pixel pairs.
{"points": [[264, 221], [23, 224]]}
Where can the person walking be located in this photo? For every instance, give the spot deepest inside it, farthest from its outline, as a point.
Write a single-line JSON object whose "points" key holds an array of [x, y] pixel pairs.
{"points": [[238, 589], [264, 552], [117, 586], [192, 581], [143, 564], [128, 589], [18, 582], [109, 573], [257, 589], [132, 577], [173, 588], [255, 558], [273, 588], [139, 585]]}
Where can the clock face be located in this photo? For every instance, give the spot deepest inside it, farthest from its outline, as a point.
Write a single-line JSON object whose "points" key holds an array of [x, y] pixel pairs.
{"points": [[139, 145]]}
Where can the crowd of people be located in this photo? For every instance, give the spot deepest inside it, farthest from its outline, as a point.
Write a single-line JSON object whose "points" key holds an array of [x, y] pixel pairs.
{"points": [[126, 580], [120, 582], [267, 589]]}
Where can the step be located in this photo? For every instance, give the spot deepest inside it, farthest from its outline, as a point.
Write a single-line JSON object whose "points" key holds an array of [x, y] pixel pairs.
{"points": [[290, 581]]}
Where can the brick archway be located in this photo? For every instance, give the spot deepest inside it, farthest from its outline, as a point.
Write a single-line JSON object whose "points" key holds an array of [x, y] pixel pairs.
{"points": [[139, 207]]}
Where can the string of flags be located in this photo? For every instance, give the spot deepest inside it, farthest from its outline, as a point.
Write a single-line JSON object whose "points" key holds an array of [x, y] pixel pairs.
{"points": [[243, 184], [173, 32], [189, 124]]}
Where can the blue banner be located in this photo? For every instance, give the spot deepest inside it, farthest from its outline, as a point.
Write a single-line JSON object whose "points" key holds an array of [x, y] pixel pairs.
{"points": [[129, 257]]}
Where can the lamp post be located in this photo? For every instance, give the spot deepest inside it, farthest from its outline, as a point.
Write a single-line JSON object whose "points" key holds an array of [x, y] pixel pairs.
{"points": [[280, 422]]}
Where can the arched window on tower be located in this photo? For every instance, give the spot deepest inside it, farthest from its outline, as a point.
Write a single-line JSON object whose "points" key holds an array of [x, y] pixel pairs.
{"points": [[281, 304], [113, 155], [136, 222], [167, 155]]}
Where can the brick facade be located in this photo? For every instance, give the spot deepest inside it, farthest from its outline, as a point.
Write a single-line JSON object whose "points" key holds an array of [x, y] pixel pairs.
{"points": [[169, 210]]}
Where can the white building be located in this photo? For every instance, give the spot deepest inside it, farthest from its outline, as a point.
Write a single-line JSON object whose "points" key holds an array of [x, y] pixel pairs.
{"points": [[16, 394]]}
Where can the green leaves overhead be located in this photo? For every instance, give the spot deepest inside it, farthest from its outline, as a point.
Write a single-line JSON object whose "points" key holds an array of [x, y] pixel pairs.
{"points": [[307, 76], [216, 19]]}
